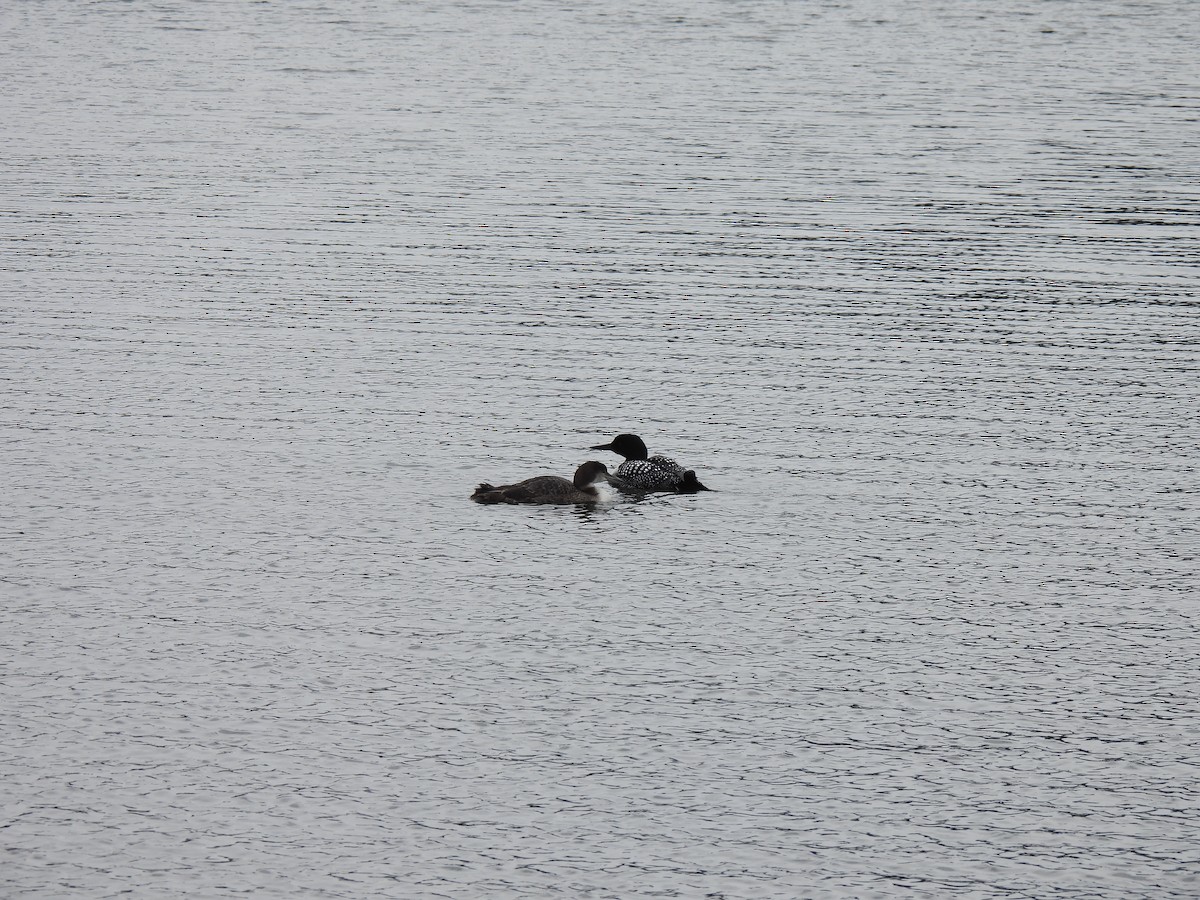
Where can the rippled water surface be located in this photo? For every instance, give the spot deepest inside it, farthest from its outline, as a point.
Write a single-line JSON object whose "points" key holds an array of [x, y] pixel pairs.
{"points": [[915, 286]]}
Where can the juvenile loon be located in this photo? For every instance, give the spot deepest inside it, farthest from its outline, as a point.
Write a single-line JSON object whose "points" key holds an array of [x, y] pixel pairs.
{"points": [[640, 472], [586, 488]]}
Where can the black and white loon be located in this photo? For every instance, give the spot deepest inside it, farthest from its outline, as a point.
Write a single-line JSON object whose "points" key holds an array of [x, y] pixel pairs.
{"points": [[591, 480], [641, 472]]}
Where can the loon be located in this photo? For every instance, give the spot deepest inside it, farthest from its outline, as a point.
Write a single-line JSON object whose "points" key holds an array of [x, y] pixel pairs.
{"points": [[590, 479], [654, 473]]}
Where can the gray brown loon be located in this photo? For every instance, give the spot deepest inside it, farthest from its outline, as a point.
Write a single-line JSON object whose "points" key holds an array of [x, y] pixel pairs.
{"points": [[641, 472], [589, 486]]}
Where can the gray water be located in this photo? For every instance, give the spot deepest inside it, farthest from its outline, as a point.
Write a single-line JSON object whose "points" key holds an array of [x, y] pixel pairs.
{"points": [[915, 286]]}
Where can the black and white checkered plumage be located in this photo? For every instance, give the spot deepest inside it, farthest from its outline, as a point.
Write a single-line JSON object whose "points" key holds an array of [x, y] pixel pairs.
{"points": [[654, 474], [641, 472]]}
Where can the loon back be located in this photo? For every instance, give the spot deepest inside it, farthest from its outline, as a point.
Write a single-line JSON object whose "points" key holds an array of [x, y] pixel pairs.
{"points": [[654, 474], [542, 489]]}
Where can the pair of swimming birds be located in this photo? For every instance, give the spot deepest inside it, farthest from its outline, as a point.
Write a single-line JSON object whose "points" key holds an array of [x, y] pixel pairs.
{"points": [[640, 474]]}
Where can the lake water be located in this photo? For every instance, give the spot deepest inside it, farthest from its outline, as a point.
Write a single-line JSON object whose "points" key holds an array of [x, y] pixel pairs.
{"points": [[914, 286]]}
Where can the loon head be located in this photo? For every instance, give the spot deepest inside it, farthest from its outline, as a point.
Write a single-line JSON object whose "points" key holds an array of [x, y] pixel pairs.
{"points": [[589, 473], [629, 446]]}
